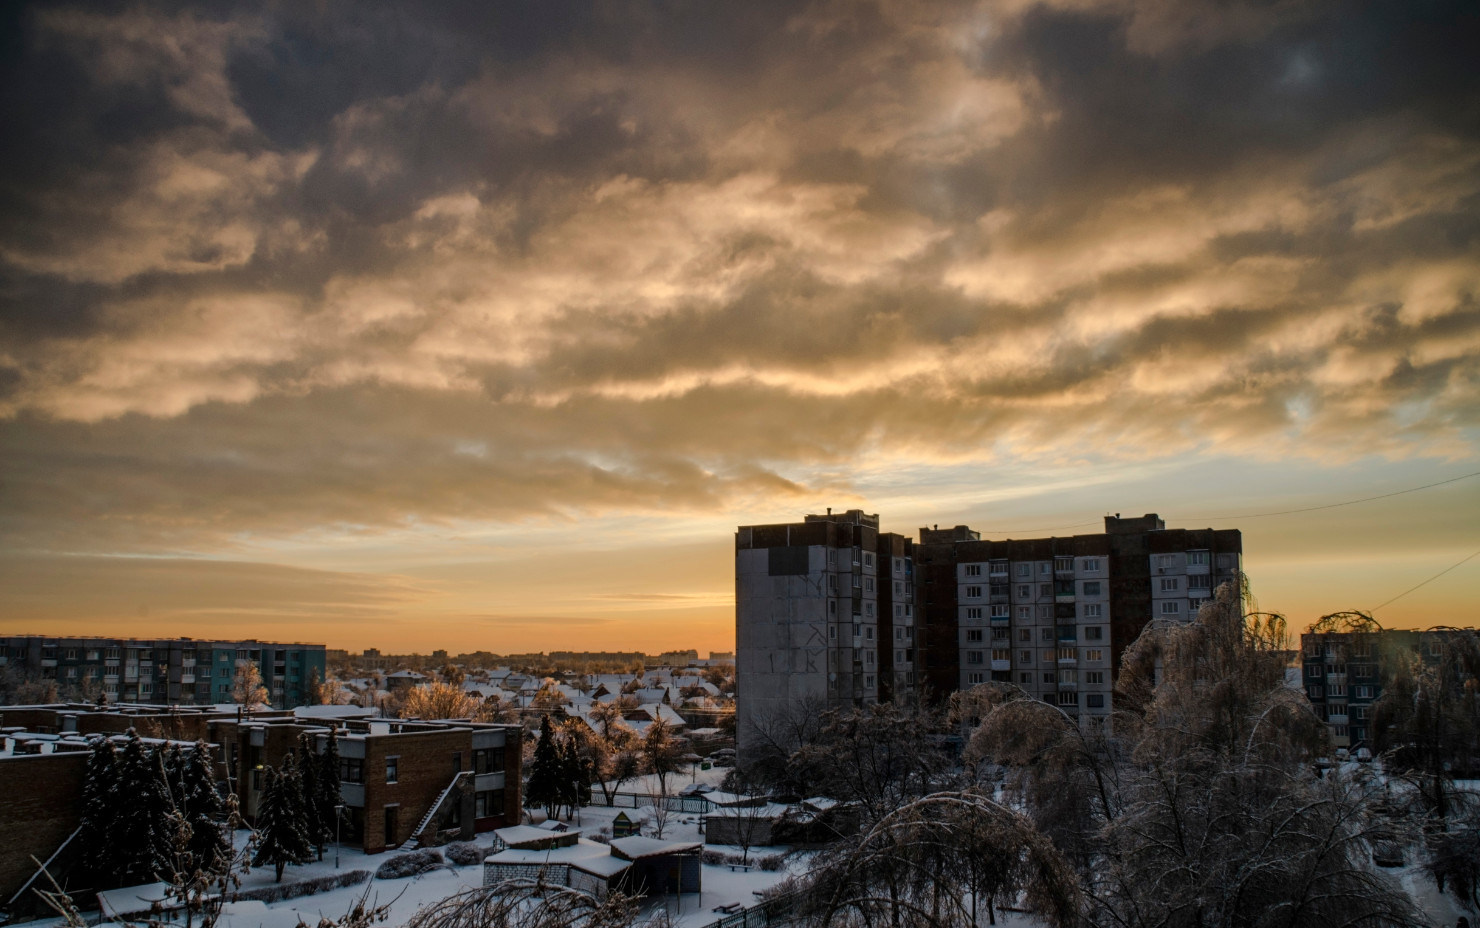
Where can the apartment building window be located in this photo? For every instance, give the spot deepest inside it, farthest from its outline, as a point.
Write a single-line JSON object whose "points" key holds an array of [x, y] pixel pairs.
{"points": [[1094, 678], [999, 634], [868, 584], [973, 592], [1045, 589], [868, 609], [998, 589], [999, 611], [973, 570], [351, 769], [868, 658], [1025, 657], [1091, 588], [1024, 591], [1094, 700], [1093, 633], [1316, 692], [1337, 690], [488, 760], [1025, 634], [391, 763], [1199, 582], [898, 657], [1001, 654], [1094, 654], [1048, 655], [1091, 564], [898, 611], [868, 559], [899, 634], [1362, 650], [868, 681], [1068, 698], [1362, 692], [832, 632], [1045, 568], [1170, 584], [974, 612], [973, 657], [1067, 654], [1025, 612], [1164, 561], [1063, 563], [999, 568], [1094, 610], [1024, 570], [899, 588], [1171, 607], [1048, 634], [974, 678], [488, 803], [1225, 561], [973, 634], [1026, 679], [1050, 677], [1197, 558]]}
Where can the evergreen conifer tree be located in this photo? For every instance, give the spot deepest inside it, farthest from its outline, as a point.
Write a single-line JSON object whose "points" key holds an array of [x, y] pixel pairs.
{"points": [[545, 773], [329, 798], [308, 771], [99, 809], [575, 776], [210, 847], [281, 839], [140, 836]]}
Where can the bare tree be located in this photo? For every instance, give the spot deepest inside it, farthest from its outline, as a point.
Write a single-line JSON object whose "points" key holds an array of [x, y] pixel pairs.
{"points": [[526, 904]]}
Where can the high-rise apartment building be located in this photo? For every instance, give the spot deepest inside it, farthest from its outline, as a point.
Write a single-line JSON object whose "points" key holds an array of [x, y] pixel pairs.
{"points": [[818, 619], [164, 671], [825, 613]]}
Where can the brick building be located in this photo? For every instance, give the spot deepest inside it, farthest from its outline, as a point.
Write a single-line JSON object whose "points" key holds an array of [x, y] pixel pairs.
{"points": [[404, 782]]}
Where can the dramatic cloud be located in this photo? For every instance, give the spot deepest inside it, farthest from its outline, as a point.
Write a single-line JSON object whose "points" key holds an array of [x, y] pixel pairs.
{"points": [[275, 273]]}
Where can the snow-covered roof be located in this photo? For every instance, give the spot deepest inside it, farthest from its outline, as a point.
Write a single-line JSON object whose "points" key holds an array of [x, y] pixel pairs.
{"points": [[516, 835], [638, 847], [332, 712], [585, 855]]}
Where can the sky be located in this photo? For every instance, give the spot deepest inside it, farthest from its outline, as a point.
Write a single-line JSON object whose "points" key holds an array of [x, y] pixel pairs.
{"points": [[483, 325]]}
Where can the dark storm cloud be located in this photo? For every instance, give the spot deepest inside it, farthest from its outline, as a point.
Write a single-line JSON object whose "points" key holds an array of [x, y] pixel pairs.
{"points": [[290, 268]]}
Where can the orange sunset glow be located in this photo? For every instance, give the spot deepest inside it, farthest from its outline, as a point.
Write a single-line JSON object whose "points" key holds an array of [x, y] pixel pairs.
{"points": [[481, 326]]}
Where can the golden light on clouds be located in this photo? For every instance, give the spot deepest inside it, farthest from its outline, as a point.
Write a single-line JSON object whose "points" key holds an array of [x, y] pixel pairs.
{"points": [[483, 326]]}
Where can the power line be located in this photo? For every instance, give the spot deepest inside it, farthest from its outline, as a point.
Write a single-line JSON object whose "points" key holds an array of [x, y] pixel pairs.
{"points": [[1425, 583], [1249, 515], [1350, 502]]}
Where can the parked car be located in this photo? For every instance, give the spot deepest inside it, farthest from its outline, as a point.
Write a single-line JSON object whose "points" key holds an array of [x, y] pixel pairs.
{"points": [[724, 757], [695, 789]]}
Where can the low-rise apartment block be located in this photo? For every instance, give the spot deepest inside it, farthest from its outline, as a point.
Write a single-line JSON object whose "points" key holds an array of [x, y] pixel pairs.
{"points": [[165, 671]]}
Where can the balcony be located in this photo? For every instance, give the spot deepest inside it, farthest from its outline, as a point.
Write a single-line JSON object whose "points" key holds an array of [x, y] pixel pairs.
{"points": [[1068, 661], [1069, 685], [187, 678], [1001, 665], [1001, 619], [1335, 719]]}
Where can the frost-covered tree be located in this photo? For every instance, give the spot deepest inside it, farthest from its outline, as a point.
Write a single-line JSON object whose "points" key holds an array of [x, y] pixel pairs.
{"points": [[575, 766], [878, 757], [1202, 807], [661, 752], [281, 837]]}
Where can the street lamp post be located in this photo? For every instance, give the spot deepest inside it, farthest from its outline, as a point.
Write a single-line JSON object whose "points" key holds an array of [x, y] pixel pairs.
{"points": [[338, 817]]}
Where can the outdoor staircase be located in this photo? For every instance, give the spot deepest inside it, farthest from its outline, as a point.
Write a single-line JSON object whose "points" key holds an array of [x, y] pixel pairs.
{"points": [[417, 836]]}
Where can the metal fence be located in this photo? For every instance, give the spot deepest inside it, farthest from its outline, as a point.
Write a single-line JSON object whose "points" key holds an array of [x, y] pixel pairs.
{"points": [[696, 804], [777, 910]]}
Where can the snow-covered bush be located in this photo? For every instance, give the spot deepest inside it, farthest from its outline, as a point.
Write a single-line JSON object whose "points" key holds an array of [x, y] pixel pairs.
{"points": [[465, 853], [412, 864], [770, 863]]}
